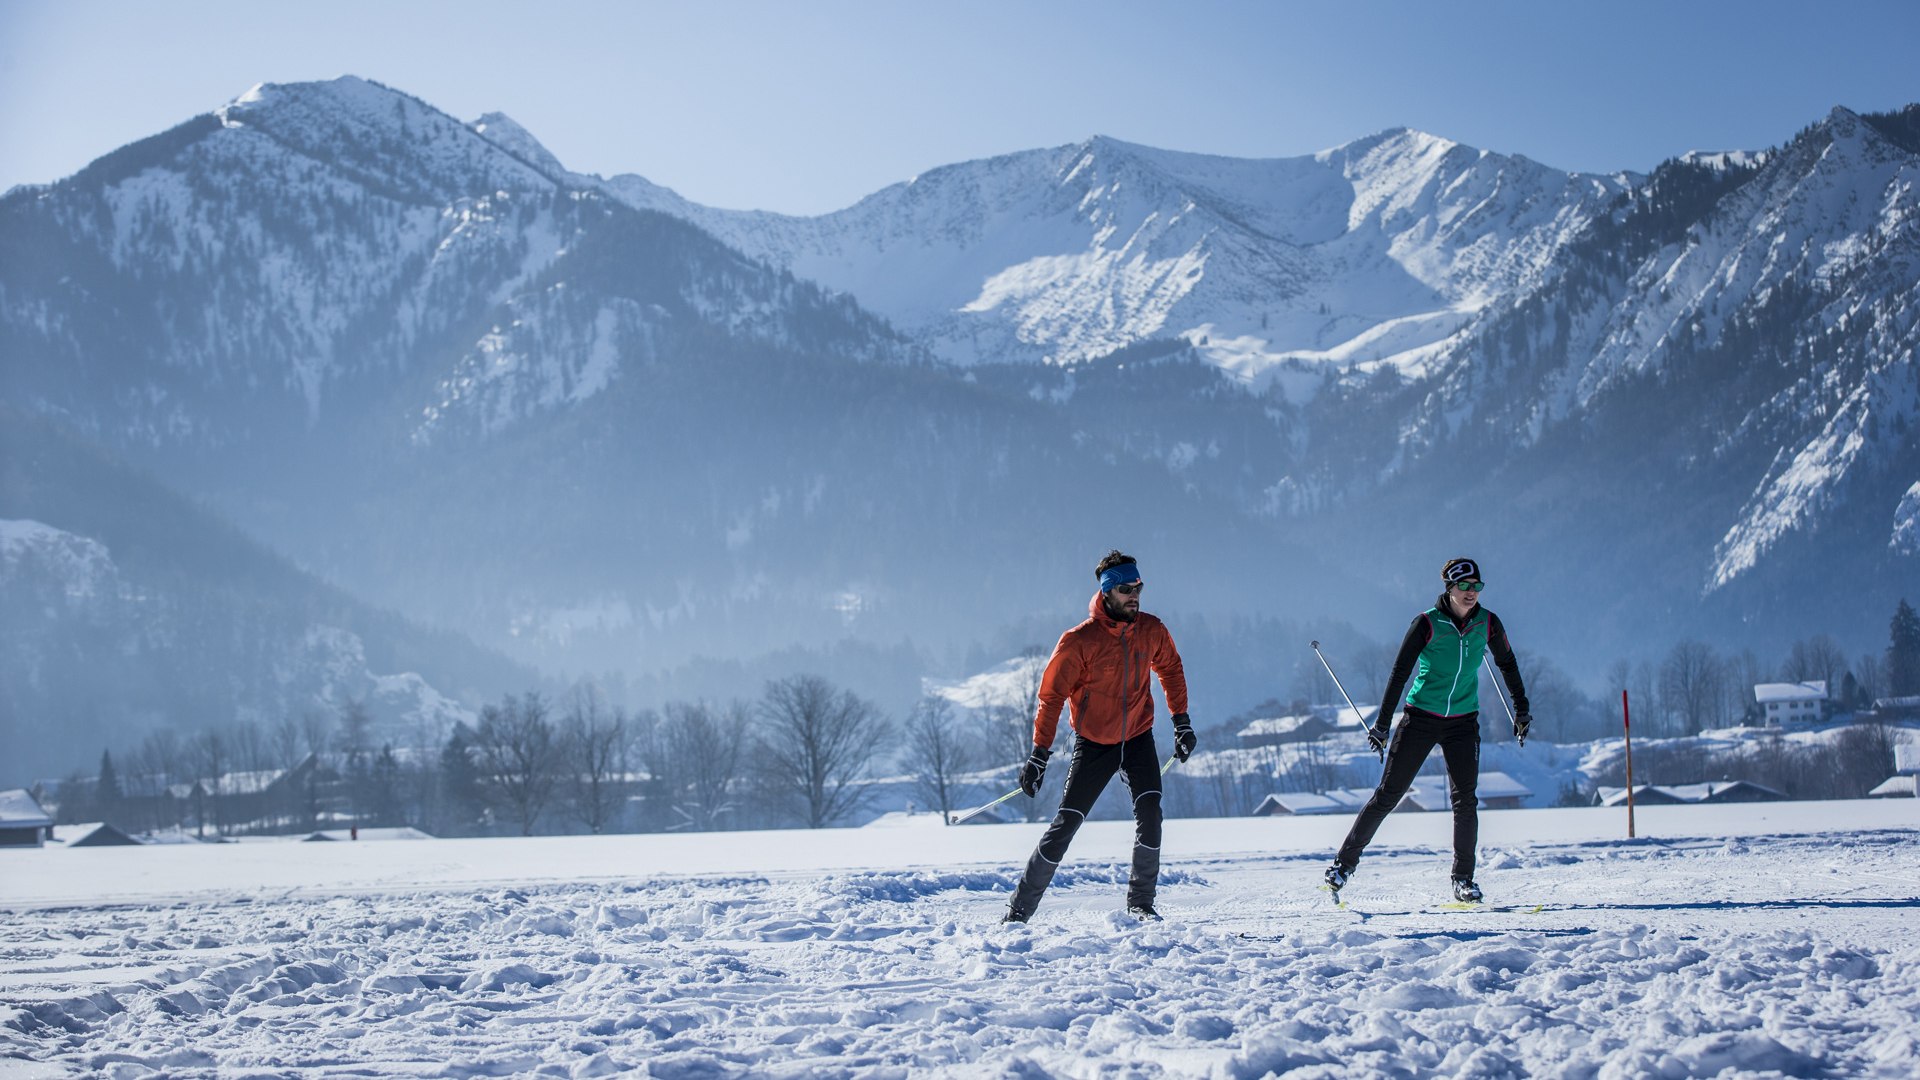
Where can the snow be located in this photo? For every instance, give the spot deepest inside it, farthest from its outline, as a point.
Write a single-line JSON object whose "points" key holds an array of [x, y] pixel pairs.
{"points": [[81, 565], [1742, 940], [1768, 693], [1906, 523], [19, 810], [1383, 247]]}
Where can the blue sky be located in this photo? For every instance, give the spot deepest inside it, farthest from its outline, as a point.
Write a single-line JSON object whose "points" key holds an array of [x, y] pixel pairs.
{"points": [[805, 107]]}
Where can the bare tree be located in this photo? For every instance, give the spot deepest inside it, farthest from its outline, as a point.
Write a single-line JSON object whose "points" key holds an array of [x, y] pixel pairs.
{"points": [[937, 754], [1871, 671], [316, 734], [286, 743], [1743, 673], [1373, 663], [1817, 659], [1690, 681], [816, 745], [1644, 699], [595, 744], [1863, 758], [251, 747], [1007, 726], [699, 755], [356, 754], [517, 751], [211, 763]]}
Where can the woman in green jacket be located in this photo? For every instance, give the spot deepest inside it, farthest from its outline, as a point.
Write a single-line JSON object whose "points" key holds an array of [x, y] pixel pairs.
{"points": [[1439, 668]]}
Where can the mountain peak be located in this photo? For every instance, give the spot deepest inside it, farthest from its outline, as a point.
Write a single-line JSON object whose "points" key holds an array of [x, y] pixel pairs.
{"points": [[1404, 141], [359, 127], [502, 131]]}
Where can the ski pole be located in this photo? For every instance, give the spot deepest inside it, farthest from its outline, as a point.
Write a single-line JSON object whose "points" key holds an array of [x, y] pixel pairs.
{"points": [[1343, 690], [1495, 679], [1169, 764], [978, 810]]}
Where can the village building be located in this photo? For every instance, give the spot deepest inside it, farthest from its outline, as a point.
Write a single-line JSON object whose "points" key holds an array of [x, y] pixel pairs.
{"points": [[1496, 791], [1712, 791], [99, 834], [1306, 803], [1903, 782], [22, 822], [1318, 722], [1782, 704]]}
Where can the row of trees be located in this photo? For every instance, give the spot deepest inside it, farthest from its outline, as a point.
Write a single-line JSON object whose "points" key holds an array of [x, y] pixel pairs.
{"points": [[806, 753]]}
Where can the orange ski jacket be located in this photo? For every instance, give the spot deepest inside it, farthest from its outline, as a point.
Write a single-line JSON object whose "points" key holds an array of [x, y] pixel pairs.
{"points": [[1101, 667]]}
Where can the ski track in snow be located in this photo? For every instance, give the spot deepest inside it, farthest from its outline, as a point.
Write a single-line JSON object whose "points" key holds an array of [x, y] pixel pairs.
{"points": [[1763, 955]]}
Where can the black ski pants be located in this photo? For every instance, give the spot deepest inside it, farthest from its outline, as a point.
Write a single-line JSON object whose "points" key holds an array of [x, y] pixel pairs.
{"points": [[1417, 734], [1093, 765]]}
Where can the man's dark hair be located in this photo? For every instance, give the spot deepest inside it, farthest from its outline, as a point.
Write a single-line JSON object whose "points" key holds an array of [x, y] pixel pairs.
{"points": [[1113, 558]]}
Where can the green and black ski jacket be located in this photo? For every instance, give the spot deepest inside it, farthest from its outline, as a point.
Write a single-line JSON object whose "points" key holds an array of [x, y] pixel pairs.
{"points": [[1438, 666]]}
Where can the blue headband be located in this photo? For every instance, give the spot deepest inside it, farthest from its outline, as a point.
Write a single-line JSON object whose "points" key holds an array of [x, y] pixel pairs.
{"points": [[1119, 575]]}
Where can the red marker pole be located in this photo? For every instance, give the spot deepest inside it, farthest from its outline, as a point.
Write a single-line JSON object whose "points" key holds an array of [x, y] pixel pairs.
{"points": [[1626, 725]]}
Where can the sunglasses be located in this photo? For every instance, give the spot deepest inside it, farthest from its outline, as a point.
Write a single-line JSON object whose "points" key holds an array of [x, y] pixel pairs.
{"points": [[1469, 586], [1132, 588]]}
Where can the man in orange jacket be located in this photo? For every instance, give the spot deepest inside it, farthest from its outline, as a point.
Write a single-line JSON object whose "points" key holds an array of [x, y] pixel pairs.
{"points": [[1101, 667]]}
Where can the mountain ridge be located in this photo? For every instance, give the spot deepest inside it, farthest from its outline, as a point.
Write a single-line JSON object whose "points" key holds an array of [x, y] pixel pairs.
{"points": [[604, 429]]}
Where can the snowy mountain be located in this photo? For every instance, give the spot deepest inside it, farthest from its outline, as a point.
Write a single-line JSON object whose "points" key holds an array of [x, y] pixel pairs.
{"points": [[1377, 249], [1753, 322], [312, 251], [1472, 275], [602, 428]]}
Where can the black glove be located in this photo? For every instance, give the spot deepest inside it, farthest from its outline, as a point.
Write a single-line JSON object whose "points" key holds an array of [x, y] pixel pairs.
{"points": [[1034, 771], [1183, 737], [1377, 738], [1521, 723]]}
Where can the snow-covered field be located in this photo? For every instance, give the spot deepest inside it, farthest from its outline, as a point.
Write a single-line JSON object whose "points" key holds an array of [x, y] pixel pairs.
{"points": [[1766, 939]]}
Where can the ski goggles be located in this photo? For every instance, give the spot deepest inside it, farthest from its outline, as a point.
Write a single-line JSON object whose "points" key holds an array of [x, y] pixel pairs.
{"points": [[1469, 586]]}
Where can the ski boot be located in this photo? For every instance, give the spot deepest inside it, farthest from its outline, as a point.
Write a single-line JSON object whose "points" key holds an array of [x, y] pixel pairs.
{"points": [[1337, 877], [1143, 912], [1013, 916], [1465, 891]]}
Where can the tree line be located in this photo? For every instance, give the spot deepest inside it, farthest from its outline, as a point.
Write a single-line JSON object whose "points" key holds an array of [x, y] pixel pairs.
{"points": [[807, 753]]}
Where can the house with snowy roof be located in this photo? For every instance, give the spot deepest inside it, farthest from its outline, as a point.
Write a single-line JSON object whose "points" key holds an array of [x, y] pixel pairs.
{"points": [[22, 822], [1712, 791], [1495, 790], [1280, 730], [1782, 704], [1906, 773], [1897, 708], [1303, 804], [1317, 722]]}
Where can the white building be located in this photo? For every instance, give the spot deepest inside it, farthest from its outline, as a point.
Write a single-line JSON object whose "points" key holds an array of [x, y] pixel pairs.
{"points": [[1905, 780], [22, 822], [1787, 703]]}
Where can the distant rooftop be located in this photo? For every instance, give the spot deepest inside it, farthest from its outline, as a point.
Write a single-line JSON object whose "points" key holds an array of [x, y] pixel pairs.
{"points": [[18, 810], [1815, 690]]}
